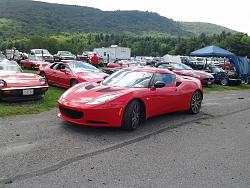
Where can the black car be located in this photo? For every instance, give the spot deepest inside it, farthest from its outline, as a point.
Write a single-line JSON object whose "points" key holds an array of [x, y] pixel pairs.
{"points": [[223, 77], [64, 55]]}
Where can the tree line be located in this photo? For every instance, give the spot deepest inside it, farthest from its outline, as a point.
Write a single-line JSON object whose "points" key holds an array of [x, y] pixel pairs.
{"points": [[153, 45]]}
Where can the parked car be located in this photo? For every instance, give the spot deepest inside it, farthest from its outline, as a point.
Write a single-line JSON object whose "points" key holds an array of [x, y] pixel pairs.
{"points": [[197, 62], [224, 77], [85, 56], [129, 97], [2, 56], [68, 73], [120, 64], [43, 53], [206, 79], [33, 62], [16, 85], [64, 55]]}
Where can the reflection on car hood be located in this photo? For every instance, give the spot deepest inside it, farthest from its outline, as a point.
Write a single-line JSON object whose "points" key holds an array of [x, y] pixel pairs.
{"points": [[203, 74], [81, 94], [89, 76]]}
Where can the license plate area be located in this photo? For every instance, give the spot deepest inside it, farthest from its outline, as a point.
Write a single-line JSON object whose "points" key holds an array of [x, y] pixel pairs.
{"points": [[28, 92]]}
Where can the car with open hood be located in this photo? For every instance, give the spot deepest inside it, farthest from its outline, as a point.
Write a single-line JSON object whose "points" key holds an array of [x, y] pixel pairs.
{"points": [[17, 85], [206, 79], [68, 73], [130, 96]]}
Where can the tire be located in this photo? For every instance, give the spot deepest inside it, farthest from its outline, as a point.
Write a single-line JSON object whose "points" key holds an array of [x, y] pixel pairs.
{"points": [[132, 116], [224, 81], [73, 82], [195, 103]]}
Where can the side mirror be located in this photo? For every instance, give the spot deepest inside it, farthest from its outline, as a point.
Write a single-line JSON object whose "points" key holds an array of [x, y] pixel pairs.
{"points": [[159, 84]]}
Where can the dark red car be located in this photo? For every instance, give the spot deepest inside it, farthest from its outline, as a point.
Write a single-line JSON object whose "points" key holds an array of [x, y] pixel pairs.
{"points": [[129, 96], [68, 73], [206, 79], [33, 62], [16, 85]]}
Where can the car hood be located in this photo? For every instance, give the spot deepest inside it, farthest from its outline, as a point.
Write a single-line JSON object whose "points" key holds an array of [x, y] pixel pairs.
{"points": [[20, 79], [85, 92], [92, 76], [203, 74]]}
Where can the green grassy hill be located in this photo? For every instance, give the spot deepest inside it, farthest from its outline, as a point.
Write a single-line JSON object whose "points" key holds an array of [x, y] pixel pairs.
{"points": [[19, 18]]}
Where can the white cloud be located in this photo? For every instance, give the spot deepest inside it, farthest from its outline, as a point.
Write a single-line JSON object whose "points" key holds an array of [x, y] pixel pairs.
{"points": [[228, 13]]}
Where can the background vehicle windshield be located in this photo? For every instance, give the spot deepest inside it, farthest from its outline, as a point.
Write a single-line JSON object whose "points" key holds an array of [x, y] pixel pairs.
{"points": [[65, 53], [178, 66], [10, 67], [129, 79], [40, 51], [82, 67], [35, 58]]}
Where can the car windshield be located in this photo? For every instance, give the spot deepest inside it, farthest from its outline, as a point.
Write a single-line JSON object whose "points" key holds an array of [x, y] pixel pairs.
{"points": [[217, 69], [65, 53], [10, 67], [129, 79], [82, 67], [40, 51], [179, 66], [35, 58]]}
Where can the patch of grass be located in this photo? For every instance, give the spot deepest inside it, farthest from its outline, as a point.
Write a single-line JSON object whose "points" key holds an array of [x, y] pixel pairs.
{"points": [[30, 71], [225, 88], [32, 107]]}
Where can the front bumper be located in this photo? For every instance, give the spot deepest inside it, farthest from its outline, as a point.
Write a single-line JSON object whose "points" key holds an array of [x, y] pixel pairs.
{"points": [[110, 116], [17, 93]]}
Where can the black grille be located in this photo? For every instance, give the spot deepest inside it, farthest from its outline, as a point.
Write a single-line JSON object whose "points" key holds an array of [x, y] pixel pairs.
{"points": [[71, 113]]}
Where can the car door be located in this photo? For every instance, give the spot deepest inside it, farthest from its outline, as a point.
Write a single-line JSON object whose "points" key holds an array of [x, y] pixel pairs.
{"points": [[62, 75], [165, 99]]}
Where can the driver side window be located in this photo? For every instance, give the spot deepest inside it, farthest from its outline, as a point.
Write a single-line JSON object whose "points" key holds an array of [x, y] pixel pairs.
{"points": [[167, 78]]}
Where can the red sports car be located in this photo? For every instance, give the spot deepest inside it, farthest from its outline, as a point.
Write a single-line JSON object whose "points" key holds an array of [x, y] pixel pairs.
{"points": [[16, 85], [33, 62], [130, 96], [206, 79], [68, 73]]}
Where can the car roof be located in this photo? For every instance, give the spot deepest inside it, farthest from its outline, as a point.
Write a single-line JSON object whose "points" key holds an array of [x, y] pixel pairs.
{"points": [[149, 69]]}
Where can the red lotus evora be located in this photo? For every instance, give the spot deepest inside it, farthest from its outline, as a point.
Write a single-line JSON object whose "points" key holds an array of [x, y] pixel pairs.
{"points": [[130, 96], [68, 73]]}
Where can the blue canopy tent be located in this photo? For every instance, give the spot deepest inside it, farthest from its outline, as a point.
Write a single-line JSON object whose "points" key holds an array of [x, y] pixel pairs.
{"points": [[241, 64]]}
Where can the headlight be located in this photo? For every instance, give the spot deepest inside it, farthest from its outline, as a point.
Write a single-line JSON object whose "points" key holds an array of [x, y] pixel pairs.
{"points": [[2, 83], [103, 99], [42, 80]]}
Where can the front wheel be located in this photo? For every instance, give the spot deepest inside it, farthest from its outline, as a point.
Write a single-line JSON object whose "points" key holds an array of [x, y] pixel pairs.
{"points": [[132, 116], [195, 103], [224, 82]]}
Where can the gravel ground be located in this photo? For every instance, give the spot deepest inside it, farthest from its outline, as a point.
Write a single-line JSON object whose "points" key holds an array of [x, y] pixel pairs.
{"points": [[211, 149]]}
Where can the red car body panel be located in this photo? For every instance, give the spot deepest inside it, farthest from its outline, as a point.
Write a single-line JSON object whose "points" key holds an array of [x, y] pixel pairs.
{"points": [[170, 98], [63, 79], [205, 78], [29, 64]]}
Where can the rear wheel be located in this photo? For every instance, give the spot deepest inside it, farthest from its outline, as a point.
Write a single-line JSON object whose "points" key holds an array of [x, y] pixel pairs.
{"points": [[195, 103], [132, 116], [73, 82]]}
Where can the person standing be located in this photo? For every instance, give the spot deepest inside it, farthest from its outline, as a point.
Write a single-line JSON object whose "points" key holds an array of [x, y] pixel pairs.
{"points": [[94, 60]]}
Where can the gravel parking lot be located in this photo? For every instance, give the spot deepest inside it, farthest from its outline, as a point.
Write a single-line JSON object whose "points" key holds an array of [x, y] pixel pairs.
{"points": [[211, 149]]}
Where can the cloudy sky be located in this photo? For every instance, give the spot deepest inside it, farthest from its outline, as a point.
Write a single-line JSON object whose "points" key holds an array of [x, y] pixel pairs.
{"points": [[234, 14]]}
